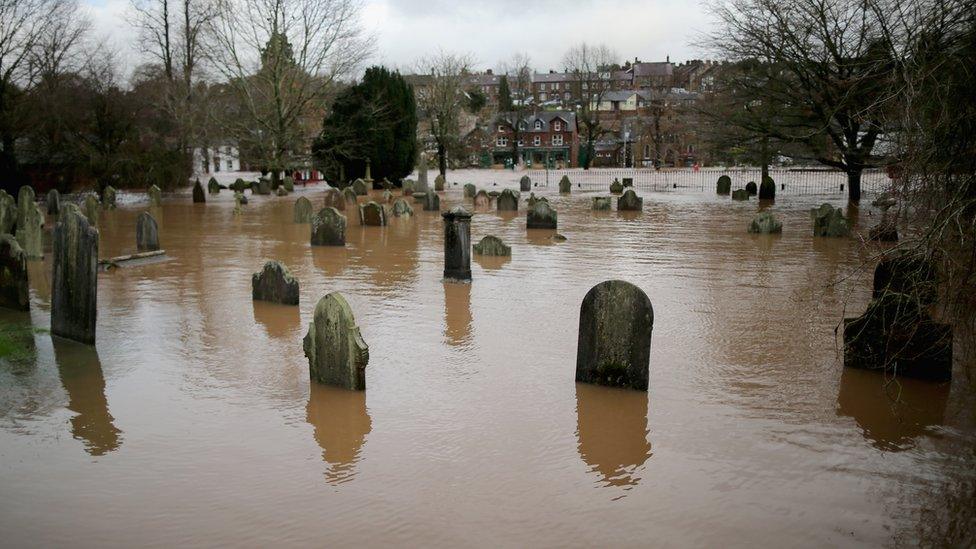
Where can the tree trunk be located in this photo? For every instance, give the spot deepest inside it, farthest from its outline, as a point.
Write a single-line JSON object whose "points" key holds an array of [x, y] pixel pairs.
{"points": [[854, 183], [442, 160]]}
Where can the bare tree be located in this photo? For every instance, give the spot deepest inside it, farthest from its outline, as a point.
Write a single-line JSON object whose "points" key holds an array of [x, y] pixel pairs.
{"points": [[831, 56], [442, 101], [518, 74], [590, 67], [282, 59]]}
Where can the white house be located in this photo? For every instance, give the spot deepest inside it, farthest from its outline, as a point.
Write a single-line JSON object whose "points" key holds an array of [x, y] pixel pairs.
{"points": [[221, 158]]}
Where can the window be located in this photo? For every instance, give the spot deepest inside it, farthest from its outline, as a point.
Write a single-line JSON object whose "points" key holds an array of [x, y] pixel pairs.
{"points": [[557, 126], [216, 164], [501, 142], [537, 140], [538, 124], [521, 142], [230, 165], [543, 87], [557, 140], [647, 152], [501, 128], [566, 96]]}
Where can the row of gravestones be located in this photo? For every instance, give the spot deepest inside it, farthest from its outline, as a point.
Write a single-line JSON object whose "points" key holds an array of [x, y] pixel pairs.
{"points": [[766, 191]]}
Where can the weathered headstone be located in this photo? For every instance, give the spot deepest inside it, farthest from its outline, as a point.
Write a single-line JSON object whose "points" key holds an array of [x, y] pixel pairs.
{"points": [[616, 187], [421, 172], [239, 201], [828, 221], [751, 188], [8, 212], [147, 233], [329, 228], [387, 196], [198, 195], [767, 190], [74, 282], [302, 212], [565, 187], [614, 348], [155, 196], [525, 184], [481, 200], [281, 191], [275, 283], [541, 216], [492, 245], [629, 201], [432, 202], [532, 199], [470, 190], [401, 208], [601, 202], [457, 244], [359, 187], [372, 214], [261, 186], [337, 354], [288, 183], [334, 199], [765, 223], [213, 187], [14, 286], [25, 204], [53, 202], [30, 232], [109, 197], [439, 182], [724, 185], [508, 201], [90, 209], [740, 194], [350, 198]]}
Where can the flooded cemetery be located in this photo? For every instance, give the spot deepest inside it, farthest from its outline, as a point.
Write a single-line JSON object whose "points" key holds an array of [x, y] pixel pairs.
{"points": [[410, 378]]}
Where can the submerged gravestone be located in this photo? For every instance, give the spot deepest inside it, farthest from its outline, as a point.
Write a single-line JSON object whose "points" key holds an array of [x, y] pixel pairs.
{"points": [[302, 211], [432, 202], [334, 199], [351, 199], [288, 182], [767, 189], [275, 283], [25, 204], [14, 285], [751, 188], [372, 214], [724, 185], [457, 244], [401, 208], [481, 200], [541, 216], [147, 233], [90, 209], [601, 203], [616, 187], [740, 194], [74, 282], [30, 232], [359, 187], [155, 196], [109, 197], [198, 195], [239, 201], [629, 201], [387, 196], [565, 187], [470, 190], [337, 354], [8, 212], [614, 348], [829, 221], [492, 245], [896, 333], [439, 182], [422, 172], [328, 228], [212, 186], [765, 223], [261, 186], [281, 191], [53, 202], [507, 201], [525, 184]]}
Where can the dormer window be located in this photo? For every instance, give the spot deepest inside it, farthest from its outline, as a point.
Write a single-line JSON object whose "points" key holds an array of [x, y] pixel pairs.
{"points": [[501, 128], [538, 124], [557, 126]]}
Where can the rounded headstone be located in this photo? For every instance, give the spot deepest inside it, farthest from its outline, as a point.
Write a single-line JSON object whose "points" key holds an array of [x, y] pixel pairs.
{"points": [[614, 348], [275, 283], [507, 201], [328, 228], [401, 208], [53, 202], [541, 216], [565, 186], [372, 214], [629, 201], [492, 245], [302, 212], [147, 233], [525, 184], [337, 354], [751, 188], [482, 200], [724, 185]]}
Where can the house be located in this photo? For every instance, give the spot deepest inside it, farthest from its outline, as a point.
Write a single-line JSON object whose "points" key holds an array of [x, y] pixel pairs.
{"points": [[487, 83], [224, 157], [545, 136], [654, 75]]}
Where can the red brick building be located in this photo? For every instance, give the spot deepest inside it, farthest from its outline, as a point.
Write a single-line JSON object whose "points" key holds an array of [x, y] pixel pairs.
{"points": [[545, 136]]}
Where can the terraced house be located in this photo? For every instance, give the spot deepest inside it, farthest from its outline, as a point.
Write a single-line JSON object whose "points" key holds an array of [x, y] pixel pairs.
{"points": [[545, 137]]}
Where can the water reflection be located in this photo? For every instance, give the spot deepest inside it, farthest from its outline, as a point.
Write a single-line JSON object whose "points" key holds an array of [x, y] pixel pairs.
{"points": [[891, 417], [612, 432], [81, 375], [341, 422], [492, 262], [278, 320], [457, 313]]}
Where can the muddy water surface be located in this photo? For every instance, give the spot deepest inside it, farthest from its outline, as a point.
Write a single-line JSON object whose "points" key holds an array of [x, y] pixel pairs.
{"points": [[192, 421]]}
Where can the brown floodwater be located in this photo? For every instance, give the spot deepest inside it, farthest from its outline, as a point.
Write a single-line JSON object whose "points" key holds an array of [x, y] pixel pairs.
{"points": [[193, 422]]}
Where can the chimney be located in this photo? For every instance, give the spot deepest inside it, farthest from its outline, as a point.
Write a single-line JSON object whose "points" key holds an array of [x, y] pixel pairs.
{"points": [[488, 72], [667, 59]]}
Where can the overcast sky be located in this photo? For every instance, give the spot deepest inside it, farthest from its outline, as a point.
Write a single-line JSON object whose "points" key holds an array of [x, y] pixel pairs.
{"points": [[492, 30]]}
